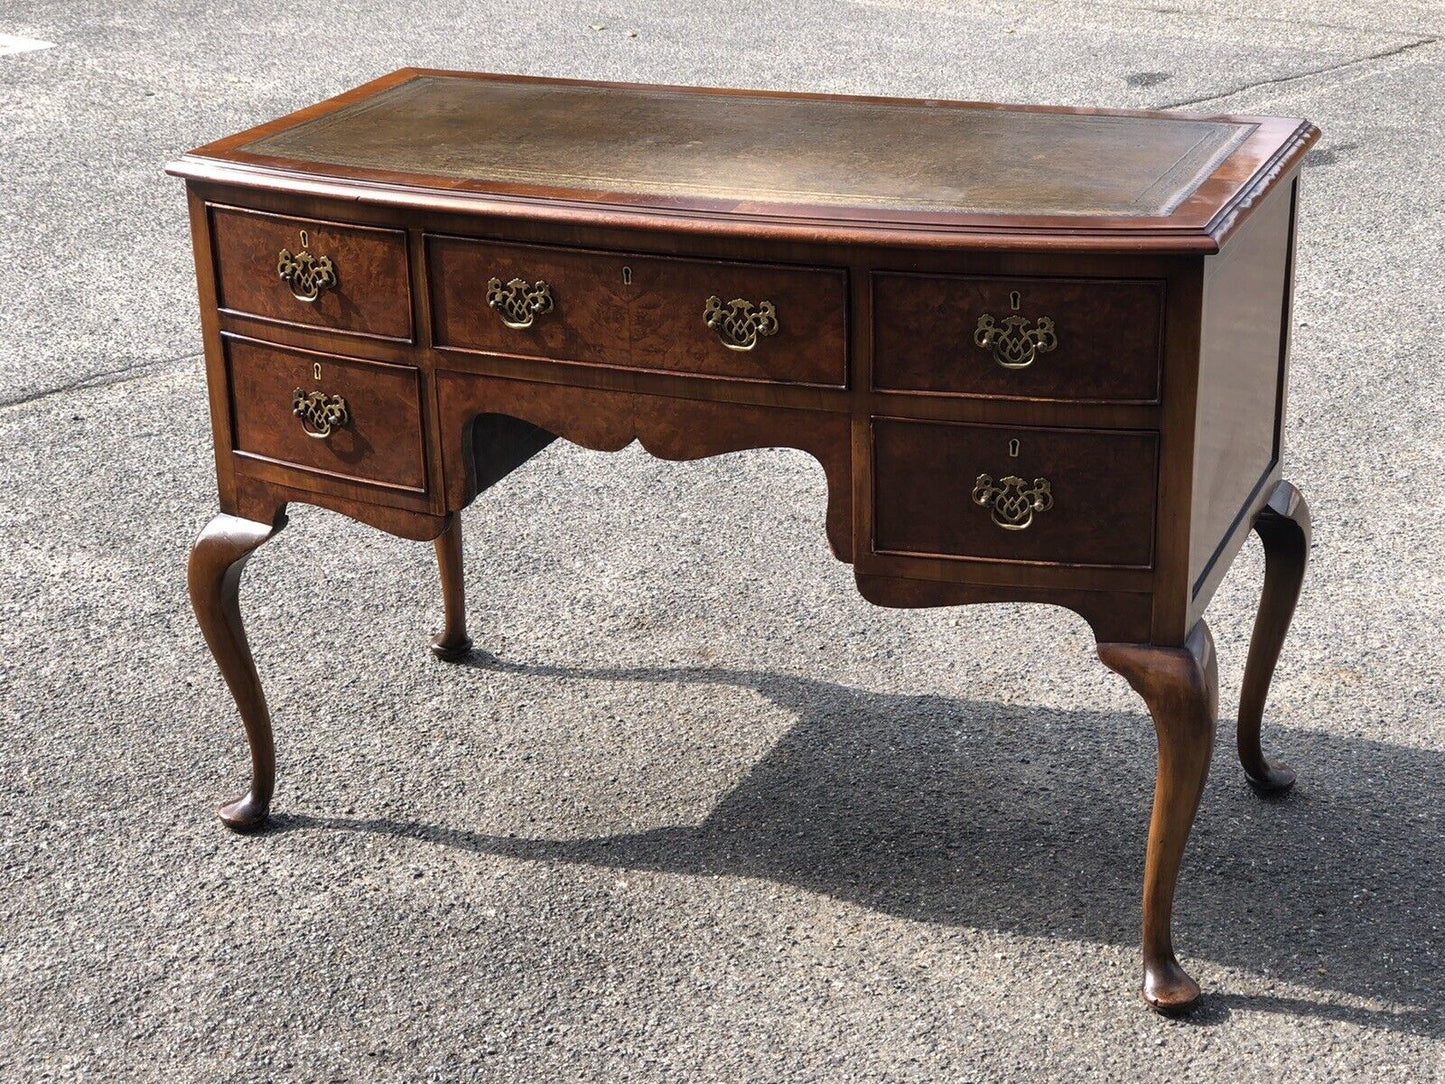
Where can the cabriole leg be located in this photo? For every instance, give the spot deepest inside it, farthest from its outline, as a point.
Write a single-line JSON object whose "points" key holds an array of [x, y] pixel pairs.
{"points": [[217, 560], [1181, 687], [1283, 525], [452, 643]]}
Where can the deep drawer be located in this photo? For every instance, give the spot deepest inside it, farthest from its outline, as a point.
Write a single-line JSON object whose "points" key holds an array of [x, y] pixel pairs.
{"points": [[640, 312], [995, 493], [379, 440], [351, 279], [1021, 338]]}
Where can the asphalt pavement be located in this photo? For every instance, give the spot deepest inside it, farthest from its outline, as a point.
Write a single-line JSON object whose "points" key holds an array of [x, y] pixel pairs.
{"points": [[695, 812]]}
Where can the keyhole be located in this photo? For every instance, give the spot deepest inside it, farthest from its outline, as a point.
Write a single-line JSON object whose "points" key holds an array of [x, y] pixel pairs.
{"points": [[1013, 300], [627, 276], [1013, 449], [307, 244], [316, 371]]}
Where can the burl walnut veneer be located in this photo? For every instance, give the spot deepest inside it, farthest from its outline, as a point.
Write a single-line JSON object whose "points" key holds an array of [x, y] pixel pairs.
{"points": [[1040, 353]]}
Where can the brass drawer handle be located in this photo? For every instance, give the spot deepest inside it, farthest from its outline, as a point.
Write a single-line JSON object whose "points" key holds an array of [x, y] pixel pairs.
{"points": [[737, 325], [308, 275], [320, 414], [518, 303], [1012, 500], [1013, 342]]}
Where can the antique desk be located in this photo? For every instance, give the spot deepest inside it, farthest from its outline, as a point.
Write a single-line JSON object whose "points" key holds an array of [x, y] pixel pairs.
{"points": [[1040, 353]]}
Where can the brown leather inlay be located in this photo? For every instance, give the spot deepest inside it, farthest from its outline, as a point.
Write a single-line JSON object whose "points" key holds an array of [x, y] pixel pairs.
{"points": [[743, 148]]}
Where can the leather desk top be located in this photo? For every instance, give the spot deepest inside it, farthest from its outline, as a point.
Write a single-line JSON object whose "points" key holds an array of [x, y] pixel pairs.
{"points": [[845, 164]]}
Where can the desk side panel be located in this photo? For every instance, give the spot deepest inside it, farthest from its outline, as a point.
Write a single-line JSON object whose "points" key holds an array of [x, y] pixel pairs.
{"points": [[1242, 370], [216, 383]]}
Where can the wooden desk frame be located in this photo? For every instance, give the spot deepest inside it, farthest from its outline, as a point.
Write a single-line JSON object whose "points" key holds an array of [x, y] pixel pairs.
{"points": [[1213, 422]]}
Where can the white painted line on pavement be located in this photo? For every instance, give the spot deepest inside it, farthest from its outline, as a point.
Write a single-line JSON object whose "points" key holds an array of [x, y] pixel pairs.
{"points": [[9, 43]]}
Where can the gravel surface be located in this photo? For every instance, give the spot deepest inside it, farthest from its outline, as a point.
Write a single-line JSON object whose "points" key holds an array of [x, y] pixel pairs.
{"points": [[697, 812]]}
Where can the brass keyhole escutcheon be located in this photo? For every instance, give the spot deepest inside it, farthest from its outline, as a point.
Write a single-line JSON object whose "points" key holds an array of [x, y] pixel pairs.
{"points": [[627, 276], [1013, 449], [316, 371]]}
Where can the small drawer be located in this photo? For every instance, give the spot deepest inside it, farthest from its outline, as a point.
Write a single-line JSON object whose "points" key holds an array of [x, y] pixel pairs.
{"points": [[351, 279], [995, 493], [768, 323], [1018, 338], [359, 420]]}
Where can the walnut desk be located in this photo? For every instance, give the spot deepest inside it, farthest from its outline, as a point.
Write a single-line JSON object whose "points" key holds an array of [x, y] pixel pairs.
{"points": [[1040, 353]]}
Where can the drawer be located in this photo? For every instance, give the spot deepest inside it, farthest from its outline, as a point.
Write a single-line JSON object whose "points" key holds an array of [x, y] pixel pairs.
{"points": [[378, 441], [640, 312], [994, 493], [1018, 338], [351, 279]]}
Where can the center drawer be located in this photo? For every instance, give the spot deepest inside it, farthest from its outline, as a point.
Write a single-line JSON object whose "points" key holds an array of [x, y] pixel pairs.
{"points": [[1021, 493], [359, 420], [760, 322]]}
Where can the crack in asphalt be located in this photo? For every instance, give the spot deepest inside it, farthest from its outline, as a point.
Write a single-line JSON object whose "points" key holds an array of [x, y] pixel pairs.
{"points": [[1384, 55], [101, 380], [1202, 15], [1205, 15]]}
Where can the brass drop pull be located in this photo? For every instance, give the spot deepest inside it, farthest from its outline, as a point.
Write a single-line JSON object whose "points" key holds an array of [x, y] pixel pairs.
{"points": [[308, 274], [519, 302], [1012, 501], [737, 324], [320, 414], [1014, 343]]}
